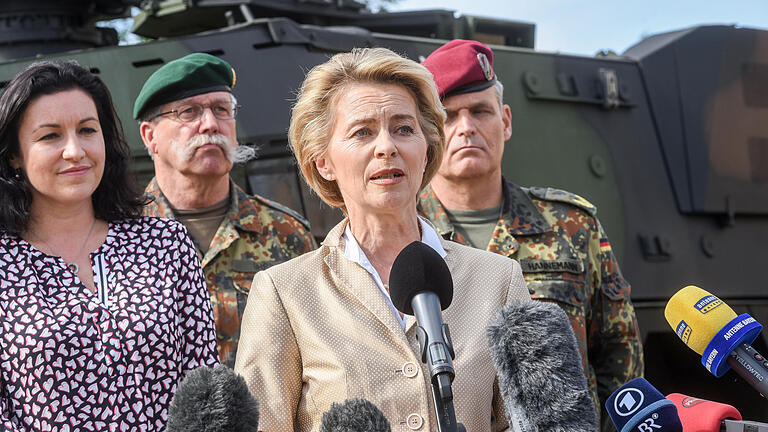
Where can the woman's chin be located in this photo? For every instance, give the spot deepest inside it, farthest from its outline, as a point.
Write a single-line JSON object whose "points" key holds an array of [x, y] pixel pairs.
{"points": [[392, 202], [66, 197]]}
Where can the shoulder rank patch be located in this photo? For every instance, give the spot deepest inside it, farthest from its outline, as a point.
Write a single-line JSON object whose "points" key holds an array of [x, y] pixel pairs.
{"points": [[287, 210], [552, 194]]}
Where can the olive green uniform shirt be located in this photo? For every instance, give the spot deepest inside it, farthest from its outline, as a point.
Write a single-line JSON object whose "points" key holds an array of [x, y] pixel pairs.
{"points": [[203, 223], [475, 225]]}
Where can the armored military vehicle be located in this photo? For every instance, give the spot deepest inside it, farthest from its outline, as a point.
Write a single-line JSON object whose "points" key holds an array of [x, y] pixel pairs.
{"points": [[668, 139]]}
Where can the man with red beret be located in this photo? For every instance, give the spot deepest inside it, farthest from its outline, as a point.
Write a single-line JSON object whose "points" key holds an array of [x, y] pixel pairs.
{"points": [[563, 251]]}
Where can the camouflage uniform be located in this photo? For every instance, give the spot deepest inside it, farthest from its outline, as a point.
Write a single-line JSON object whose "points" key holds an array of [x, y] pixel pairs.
{"points": [[566, 259], [255, 234]]}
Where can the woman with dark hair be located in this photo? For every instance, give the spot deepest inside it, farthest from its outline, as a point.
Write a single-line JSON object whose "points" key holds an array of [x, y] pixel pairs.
{"points": [[102, 312]]}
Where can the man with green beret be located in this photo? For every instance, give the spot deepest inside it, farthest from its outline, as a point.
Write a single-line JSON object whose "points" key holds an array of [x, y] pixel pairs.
{"points": [[555, 235], [186, 113]]}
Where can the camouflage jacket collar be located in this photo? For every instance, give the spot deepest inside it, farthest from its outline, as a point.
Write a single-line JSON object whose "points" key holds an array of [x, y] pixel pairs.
{"points": [[161, 207], [520, 215]]}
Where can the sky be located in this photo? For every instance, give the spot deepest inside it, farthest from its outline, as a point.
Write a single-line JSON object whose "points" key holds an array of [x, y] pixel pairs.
{"points": [[587, 26]]}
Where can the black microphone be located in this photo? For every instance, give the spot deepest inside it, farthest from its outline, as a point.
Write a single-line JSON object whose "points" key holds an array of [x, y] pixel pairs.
{"points": [[420, 284], [213, 400], [354, 415], [539, 369]]}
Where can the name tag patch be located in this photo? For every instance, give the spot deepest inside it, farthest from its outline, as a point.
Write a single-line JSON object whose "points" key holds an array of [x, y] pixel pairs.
{"points": [[561, 265]]}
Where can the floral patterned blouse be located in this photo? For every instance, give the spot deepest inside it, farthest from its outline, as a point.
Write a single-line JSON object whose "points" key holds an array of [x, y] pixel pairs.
{"points": [[71, 361]]}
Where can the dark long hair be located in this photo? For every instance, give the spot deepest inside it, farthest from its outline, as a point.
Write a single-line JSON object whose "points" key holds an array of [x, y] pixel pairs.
{"points": [[116, 197]]}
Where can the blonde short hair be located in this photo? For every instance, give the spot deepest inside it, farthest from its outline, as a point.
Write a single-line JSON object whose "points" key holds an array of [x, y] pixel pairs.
{"points": [[313, 117]]}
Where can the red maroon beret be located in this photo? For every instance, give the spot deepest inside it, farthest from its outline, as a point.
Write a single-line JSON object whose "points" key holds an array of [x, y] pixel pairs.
{"points": [[461, 66]]}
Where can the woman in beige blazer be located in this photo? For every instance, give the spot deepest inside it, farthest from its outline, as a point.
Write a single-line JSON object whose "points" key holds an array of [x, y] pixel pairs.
{"points": [[367, 131]]}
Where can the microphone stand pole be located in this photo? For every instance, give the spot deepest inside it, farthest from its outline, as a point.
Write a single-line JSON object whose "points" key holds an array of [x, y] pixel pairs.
{"points": [[442, 396], [438, 355]]}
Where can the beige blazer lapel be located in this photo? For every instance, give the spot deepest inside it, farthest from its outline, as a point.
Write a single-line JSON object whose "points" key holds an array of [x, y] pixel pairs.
{"points": [[353, 280]]}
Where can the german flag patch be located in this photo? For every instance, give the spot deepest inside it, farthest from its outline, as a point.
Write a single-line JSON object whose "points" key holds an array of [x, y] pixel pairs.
{"points": [[605, 245]]}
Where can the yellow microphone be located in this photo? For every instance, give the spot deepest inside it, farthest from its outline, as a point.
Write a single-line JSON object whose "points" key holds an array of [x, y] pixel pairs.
{"points": [[711, 328], [697, 316]]}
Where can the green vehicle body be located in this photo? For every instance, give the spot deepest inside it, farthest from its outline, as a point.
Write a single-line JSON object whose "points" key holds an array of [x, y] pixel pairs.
{"points": [[668, 139]]}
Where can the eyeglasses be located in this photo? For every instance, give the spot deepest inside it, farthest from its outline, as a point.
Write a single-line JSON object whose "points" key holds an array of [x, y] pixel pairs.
{"points": [[192, 112]]}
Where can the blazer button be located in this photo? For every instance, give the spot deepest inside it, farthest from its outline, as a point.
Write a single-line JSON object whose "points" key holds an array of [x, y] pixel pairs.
{"points": [[414, 421], [410, 369]]}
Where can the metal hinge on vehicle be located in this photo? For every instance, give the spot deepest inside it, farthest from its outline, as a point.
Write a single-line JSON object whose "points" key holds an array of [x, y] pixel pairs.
{"points": [[609, 87]]}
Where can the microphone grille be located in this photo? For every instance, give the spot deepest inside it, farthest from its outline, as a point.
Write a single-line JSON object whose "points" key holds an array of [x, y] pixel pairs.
{"points": [[696, 316], [354, 415], [213, 400], [418, 268], [539, 368]]}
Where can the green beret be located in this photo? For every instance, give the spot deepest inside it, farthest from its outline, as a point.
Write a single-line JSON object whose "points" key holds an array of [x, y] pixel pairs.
{"points": [[190, 75]]}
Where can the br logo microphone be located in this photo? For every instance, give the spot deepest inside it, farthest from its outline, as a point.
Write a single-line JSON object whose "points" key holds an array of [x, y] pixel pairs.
{"points": [[628, 401], [711, 328], [637, 406]]}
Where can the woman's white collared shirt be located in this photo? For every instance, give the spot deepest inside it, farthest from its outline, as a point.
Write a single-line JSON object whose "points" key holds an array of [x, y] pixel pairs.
{"points": [[355, 253]]}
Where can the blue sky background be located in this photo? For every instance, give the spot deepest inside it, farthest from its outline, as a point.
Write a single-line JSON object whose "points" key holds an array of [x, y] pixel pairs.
{"points": [[587, 26]]}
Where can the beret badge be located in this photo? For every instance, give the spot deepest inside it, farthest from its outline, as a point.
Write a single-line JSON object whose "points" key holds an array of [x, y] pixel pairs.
{"points": [[485, 65]]}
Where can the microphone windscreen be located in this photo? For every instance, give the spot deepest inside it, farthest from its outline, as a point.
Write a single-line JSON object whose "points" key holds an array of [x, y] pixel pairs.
{"points": [[213, 400], [696, 316], [539, 369], [354, 415], [418, 268], [709, 326], [637, 405], [700, 415]]}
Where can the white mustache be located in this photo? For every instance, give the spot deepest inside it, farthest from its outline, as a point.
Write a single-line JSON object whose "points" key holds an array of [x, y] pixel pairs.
{"points": [[237, 154], [200, 140]]}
